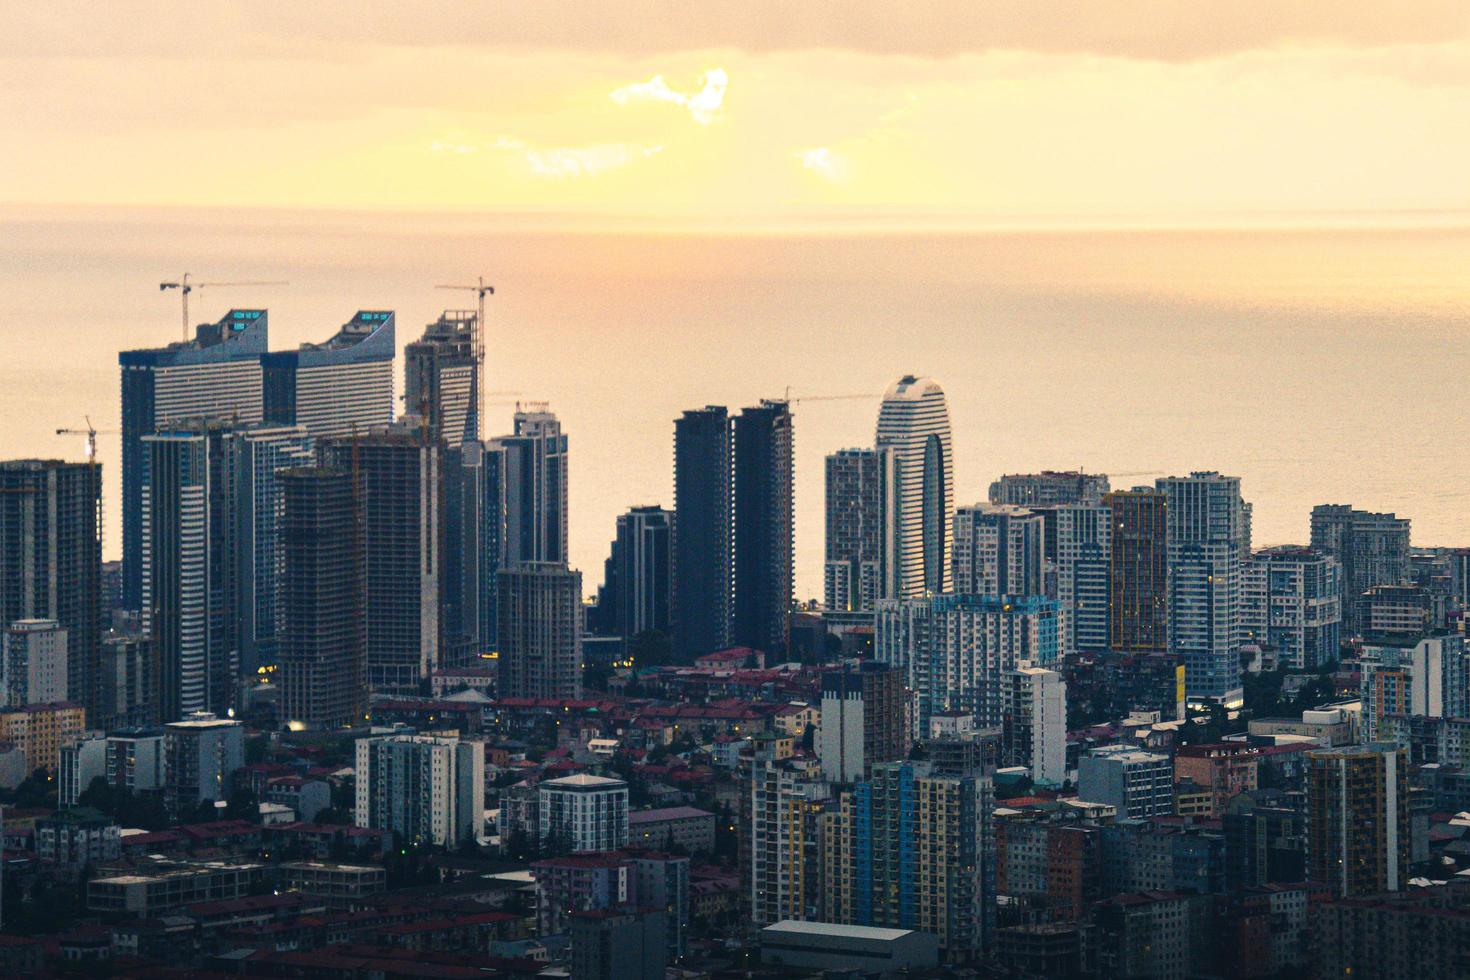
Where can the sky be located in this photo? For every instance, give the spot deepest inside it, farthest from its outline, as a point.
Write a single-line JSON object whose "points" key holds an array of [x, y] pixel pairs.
{"points": [[772, 110]]}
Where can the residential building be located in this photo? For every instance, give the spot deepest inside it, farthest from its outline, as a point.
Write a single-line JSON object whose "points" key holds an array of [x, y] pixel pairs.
{"points": [[824, 946], [583, 813], [201, 754], [1138, 783], [1293, 604], [428, 789], [1050, 488], [128, 683], [539, 609], [338, 387], [1224, 769], [74, 839], [42, 730], [1035, 723], [51, 559], [998, 550], [1385, 612], [1421, 932], [398, 475], [1149, 855], [861, 530], [763, 530], [1372, 549], [1083, 557], [137, 760], [79, 763], [637, 594], [1430, 679], [442, 379], [703, 507], [1358, 819], [608, 881], [686, 828], [34, 665], [217, 374], [864, 720], [627, 943], [784, 851], [914, 422], [474, 528], [1138, 571], [1146, 934], [323, 636]]}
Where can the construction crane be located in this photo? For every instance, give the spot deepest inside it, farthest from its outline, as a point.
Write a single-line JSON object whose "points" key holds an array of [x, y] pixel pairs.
{"points": [[824, 398], [91, 433], [185, 287], [477, 340]]}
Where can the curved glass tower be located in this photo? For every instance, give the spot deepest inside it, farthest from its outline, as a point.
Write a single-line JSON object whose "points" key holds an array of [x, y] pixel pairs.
{"points": [[914, 421]]}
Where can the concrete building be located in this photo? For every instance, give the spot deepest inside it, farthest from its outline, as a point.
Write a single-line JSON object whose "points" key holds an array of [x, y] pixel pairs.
{"points": [[1372, 549], [339, 386], [42, 730], [1050, 488], [1139, 784], [637, 594], [428, 789], [217, 374], [1138, 571], [1423, 932], [1083, 556], [861, 529], [763, 526], [626, 943], [51, 559], [914, 422], [442, 380], [323, 637], [539, 613], [703, 506], [584, 813], [1293, 604], [1035, 723], [783, 849], [201, 754], [128, 683], [864, 720], [998, 550], [74, 839], [1224, 769], [1358, 819], [1396, 612], [137, 760], [685, 827], [34, 662], [79, 763], [1430, 679], [824, 946]]}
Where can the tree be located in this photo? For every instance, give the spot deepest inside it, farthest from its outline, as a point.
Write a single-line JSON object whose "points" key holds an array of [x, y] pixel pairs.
{"points": [[242, 805], [651, 648]]}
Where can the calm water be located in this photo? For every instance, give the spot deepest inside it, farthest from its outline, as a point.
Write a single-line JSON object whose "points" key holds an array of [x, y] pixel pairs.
{"points": [[1317, 365]]}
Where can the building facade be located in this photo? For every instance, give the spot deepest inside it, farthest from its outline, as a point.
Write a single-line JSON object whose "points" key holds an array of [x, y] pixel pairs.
{"points": [[428, 789], [637, 595], [862, 532], [914, 422], [1358, 819], [339, 386], [584, 813], [763, 526], [1138, 571], [998, 550], [1371, 548], [703, 505], [864, 720], [539, 613], [442, 380]]}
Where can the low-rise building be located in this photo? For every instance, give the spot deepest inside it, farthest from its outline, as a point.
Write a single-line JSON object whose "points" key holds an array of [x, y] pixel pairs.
{"points": [[684, 827], [823, 946], [76, 838], [1139, 784]]}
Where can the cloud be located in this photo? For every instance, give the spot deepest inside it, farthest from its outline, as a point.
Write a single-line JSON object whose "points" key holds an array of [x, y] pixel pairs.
{"points": [[821, 160], [561, 162], [447, 146], [703, 105]]}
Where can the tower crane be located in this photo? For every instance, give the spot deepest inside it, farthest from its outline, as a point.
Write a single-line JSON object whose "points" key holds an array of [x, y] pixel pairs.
{"points": [[477, 341], [185, 287], [91, 433], [824, 398]]}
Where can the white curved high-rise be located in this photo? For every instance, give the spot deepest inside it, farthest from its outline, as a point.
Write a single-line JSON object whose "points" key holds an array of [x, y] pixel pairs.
{"points": [[914, 421]]}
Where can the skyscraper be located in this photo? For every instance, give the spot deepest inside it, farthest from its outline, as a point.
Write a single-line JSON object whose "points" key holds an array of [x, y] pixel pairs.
{"points": [[1035, 726], [914, 420], [442, 379], [191, 562], [1084, 550], [864, 720], [539, 613], [473, 526], [398, 472], [764, 526], [1293, 601], [1049, 488], [323, 638], [862, 534], [1373, 549], [51, 559], [428, 789], [337, 387], [1358, 819], [1209, 540], [703, 506], [217, 374], [533, 487], [997, 551], [638, 588], [1138, 610], [786, 806]]}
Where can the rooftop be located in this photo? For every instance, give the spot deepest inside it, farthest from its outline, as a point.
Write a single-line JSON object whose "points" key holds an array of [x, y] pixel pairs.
{"points": [[833, 929]]}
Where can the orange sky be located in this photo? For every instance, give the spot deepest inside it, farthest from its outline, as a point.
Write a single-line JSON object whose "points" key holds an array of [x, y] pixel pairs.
{"points": [[1163, 108]]}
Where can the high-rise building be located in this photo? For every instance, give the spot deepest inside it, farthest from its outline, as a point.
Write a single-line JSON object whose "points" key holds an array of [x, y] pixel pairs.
{"points": [[1293, 604], [908, 848], [473, 525], [626, 943], [79, 763], [442, 381], [763, 526], [201, 754], [786, 806], [1373, 549], [534, 487], [1035, 726], [398, 472], [1138, 599], [1084, 551], [128, 683], [1050, 488], [323, 637], [955, 650], [1138, 783], [1429, 678], [1358, 819], [914, 421], [637, 594], [862, 532], [217, 374], [340, 386], [864, 720], [1209, 528], [428, 789], [51, 559], [998, 550], [703, 506], [192, 547], [34, 663], [539, 609], [583, 813], [40, 731]]}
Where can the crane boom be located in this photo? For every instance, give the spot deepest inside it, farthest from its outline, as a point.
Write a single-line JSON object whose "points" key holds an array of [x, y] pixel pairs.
{"points": [[185, 287], [477, 341]]}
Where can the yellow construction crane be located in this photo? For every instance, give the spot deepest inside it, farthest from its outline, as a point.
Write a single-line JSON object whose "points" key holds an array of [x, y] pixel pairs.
{"points": [[185, 287], [477, 341]]}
